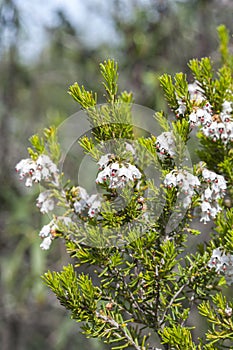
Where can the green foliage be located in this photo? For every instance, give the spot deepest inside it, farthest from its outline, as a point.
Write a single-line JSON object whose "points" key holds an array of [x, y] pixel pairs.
{"points": [[178, 337], [224, 227], [163, 122], [217, 88], [169, 91], [77, 294], [52, 143], [85, 98], [32, 93], [224, 37], [38, 145], [46, 143], [218, 313], [203, 72], [109, 71], [144, 276], [181, 85]]}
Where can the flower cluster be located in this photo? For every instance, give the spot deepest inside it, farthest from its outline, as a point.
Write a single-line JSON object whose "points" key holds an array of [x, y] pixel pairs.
{"points": [[116, 174], [165, 145], [185, 182], [94, 204], [48, 232], [220, 126], [45, 201], [211, 188], [84, 202], [201, 116], [216, 126], [222, 263], [196, 95], [34, 171]]}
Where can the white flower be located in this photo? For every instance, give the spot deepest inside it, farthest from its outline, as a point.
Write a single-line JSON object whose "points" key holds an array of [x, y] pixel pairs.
{"points": [[118, 174], [222, 263], [170, 180], [215, 258], [125, 173], [193, 119], [43, 160], [183, 179], [217, 182], [134, 172], [182, 107], [228, 311], [45, 201], [180, 178], [214, 211], [229, 129], [45, 245], [211, 194], [82, 193], [200, 116], [48, 231], [211, 189], [25, 167], [38, 175], [192, 180], [45, 231], [36, 171], [165, 145], [205, 207], [186, 183], [187, 201], [207, 195], [227, 107], [114, 167], [81, 202], [79, 206], [49, 170], [214, 126], [94, 203], [196, 93], [103, 175], [221, 182], [104, 160], [207, 175], [222, 128], [28, 182], [205, 217]]}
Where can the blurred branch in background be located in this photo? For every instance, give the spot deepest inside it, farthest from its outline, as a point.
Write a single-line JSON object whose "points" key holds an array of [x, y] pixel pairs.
{"points": [[147, 38]]}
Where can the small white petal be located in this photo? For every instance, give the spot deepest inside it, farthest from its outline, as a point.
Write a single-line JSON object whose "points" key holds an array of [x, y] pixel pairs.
{"points": [[45, 245], [45, 231]]}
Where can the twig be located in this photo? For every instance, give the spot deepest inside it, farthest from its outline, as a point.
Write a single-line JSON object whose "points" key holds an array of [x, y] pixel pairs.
{"points": [[113, 323], [172, 301]]}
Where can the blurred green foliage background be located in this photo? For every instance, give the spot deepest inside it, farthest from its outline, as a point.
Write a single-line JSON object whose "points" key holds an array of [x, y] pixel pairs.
{"points": [[147, 38]]}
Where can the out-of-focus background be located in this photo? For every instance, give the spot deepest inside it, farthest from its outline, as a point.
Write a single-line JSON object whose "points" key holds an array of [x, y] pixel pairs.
{"points": [[46, 45]]}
